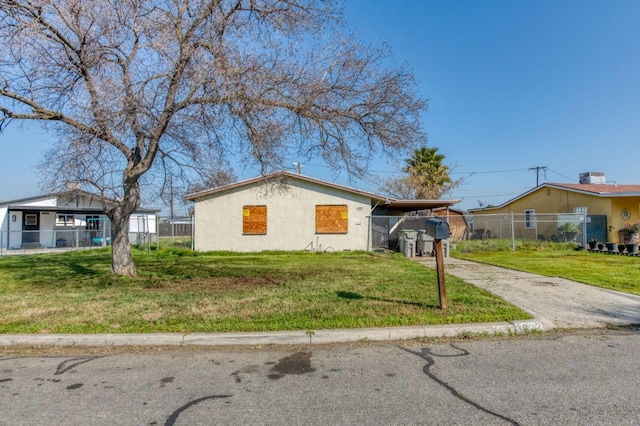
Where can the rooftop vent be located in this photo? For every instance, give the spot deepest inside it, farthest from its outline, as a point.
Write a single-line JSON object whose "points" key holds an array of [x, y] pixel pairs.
{"points": [[592, 178]]}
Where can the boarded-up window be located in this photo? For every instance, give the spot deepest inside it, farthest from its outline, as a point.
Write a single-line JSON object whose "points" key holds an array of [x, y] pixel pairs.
{"points": [[332, 219], [254, 220]]}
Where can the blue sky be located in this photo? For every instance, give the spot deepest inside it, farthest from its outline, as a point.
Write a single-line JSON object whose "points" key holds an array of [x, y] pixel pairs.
{"points": [[511, 85]]}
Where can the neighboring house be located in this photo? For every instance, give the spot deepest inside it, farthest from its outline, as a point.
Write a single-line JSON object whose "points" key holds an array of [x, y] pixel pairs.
{"points": [[604, 206], [287, 211], [72, 218]]}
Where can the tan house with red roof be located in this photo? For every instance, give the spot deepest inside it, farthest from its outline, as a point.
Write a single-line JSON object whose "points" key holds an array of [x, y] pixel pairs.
{"points": [[604, 205]]}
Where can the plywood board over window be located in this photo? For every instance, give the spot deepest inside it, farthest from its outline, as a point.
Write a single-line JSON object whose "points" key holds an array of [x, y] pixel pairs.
{"points": [[332, 219], [254, 220]]}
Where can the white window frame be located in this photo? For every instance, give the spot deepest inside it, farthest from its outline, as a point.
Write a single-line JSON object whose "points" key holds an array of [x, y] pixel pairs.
{"points": [[31, 219], [65, 219], [580, 210], [530, 219]]}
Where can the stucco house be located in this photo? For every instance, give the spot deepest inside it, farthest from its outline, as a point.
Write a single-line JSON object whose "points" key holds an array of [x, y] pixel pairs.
{"points": [[607, 207], [72, 218], [287, 211]]}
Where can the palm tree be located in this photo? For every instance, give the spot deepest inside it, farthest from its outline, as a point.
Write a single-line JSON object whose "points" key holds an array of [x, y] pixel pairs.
{"points": [[426, 175]]}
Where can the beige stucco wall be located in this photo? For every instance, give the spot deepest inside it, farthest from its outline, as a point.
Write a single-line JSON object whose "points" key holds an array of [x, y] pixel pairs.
{"points": [[619, 204], [290, 219], [552, 200]]}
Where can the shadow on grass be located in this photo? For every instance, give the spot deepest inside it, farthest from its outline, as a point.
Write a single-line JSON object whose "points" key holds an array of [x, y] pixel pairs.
{"points": [[356, 296], [54, 269]]}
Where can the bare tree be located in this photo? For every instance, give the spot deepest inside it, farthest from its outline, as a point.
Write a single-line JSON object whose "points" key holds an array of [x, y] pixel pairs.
{"points": [[139, 89]]}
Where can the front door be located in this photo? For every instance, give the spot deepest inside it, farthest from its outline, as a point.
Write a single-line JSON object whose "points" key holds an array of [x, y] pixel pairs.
{"points": [[30, 227], [597, 228]]}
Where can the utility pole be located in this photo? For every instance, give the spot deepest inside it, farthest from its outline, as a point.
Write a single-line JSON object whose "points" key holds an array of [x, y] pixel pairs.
{"points": [[537, 169], [298, 167]]}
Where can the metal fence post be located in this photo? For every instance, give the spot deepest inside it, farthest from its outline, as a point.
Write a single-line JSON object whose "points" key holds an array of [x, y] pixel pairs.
{"points": [[369, 230], [193, 231], [513, 232], [584, 230]]}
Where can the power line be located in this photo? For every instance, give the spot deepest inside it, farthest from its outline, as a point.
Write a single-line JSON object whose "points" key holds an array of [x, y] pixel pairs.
{"points": [[475, 172], [570, 179], [487, 172]]}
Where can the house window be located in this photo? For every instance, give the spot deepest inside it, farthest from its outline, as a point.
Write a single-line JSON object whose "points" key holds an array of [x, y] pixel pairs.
{"points": [[93, 223], [530, 219], [64, 220], [254, 220], [332, 219], [31, 219], [580, 210]]}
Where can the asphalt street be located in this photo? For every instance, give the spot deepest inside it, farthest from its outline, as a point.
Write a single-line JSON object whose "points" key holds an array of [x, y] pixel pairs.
{"points": [[570, 378]]}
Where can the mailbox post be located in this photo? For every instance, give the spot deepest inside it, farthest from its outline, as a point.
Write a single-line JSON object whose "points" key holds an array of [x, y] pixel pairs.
{"points": [[439, 230]]}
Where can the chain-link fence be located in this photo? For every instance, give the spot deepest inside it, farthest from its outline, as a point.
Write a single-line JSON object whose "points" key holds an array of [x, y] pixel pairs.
{"points": [[84, 233], [386, 231], [560, 227], [176, 232], [75, 238]]}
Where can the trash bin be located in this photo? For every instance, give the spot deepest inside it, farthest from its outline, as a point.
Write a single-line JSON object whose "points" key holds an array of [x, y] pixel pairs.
{"points": [[407, 239], [424, 244]]}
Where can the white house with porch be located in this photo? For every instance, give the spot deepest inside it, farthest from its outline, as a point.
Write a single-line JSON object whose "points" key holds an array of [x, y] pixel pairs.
{"points": [[72, 218]]}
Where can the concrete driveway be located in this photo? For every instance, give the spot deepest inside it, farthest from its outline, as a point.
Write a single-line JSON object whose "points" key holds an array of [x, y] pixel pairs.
{"points": [[555, 302]]}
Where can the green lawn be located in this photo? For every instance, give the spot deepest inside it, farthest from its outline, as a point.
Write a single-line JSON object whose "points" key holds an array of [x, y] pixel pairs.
{"points": [[614, 272], [182, 291]]}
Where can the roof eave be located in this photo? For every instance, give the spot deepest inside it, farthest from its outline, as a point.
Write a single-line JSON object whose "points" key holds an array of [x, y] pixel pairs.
{"points": [[196, 195]]}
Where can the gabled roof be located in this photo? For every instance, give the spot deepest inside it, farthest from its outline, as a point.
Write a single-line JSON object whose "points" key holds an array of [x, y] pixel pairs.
{"points": [[279, 176], [20, 203], [405, 205], [61, 194], [600, 190], [597, 190]]}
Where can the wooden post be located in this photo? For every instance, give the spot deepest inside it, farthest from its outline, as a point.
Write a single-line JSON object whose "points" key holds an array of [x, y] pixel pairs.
{"points": [[442, 291]]}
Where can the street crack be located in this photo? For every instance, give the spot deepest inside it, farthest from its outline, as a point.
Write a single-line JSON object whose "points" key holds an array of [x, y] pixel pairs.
{"points": [[174, 416], [429, 356]]}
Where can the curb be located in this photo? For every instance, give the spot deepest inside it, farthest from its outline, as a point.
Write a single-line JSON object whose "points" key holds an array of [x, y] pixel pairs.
{"points": [[273, 338]]}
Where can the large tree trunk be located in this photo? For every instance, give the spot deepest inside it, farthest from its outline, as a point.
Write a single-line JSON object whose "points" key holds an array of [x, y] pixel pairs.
{"points": [[121, 258]]}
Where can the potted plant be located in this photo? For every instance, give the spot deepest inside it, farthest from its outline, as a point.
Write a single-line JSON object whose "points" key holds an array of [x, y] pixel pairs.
{"points": [[569, 231], [629, 233]]}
